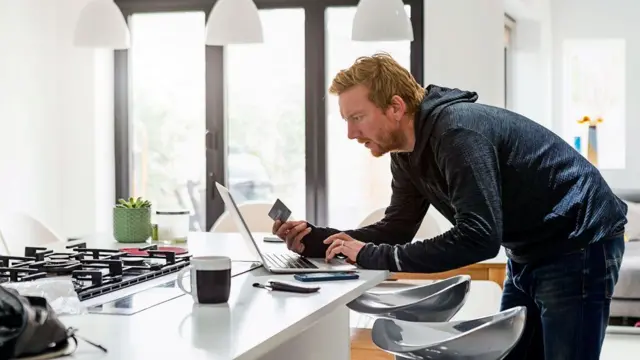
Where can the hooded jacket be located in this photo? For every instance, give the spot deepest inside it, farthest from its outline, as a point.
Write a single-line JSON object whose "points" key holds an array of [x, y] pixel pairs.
{"points": [[500, 178]]}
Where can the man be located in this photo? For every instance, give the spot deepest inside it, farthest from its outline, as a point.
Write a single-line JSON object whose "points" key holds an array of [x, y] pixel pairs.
{"points": [[502, 180]]}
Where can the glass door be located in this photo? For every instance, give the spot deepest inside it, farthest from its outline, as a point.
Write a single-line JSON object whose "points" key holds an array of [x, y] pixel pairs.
{"points": [[265, 113], [357, 182], [167, 111]]}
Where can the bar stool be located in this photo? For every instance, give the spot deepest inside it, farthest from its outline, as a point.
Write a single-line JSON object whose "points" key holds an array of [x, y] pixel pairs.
{"points": [[435, 302], [487, 338]]}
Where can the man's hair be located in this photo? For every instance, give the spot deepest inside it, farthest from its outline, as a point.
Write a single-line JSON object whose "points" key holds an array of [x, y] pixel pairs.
{"points": [[384, 78]]}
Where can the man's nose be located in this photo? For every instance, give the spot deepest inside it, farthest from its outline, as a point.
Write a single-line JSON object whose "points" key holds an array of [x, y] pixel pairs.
{"points": [[352, 131]]}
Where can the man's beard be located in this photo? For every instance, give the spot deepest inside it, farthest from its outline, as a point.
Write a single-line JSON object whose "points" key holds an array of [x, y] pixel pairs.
{"points": [[391, 142]]}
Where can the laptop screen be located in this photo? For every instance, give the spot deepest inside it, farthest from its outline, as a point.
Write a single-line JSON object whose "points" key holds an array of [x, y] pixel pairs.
{"points": [[231, 206]]}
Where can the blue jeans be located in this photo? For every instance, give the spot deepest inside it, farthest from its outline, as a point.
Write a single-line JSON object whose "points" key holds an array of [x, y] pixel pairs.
{"points": [[567, 301]]}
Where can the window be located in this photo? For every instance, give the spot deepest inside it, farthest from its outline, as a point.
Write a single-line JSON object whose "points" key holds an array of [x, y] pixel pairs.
{"points": [[265, 105], [252, 117], [168, 111], [594, 86], [358, 182]]}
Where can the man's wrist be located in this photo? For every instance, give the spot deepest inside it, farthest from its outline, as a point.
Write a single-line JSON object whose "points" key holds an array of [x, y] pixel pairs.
{"points": [[365, 254], [314, 246]]}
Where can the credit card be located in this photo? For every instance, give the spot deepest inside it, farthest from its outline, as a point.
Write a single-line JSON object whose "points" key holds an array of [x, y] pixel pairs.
{"points": [[279, 211]]}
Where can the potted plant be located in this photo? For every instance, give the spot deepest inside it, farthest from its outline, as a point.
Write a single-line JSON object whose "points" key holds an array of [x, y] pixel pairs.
{"points": [[132, 220]]}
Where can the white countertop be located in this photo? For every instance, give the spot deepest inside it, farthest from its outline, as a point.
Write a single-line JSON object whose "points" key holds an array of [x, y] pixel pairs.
{"points": [[253, 322], [241, 249]]}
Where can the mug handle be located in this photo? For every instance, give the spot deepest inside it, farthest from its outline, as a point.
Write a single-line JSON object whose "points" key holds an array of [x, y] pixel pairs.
{"points": [[180, 277]]}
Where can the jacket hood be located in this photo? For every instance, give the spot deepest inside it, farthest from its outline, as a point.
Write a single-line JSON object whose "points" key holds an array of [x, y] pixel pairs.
{"points": [[436, 99]]}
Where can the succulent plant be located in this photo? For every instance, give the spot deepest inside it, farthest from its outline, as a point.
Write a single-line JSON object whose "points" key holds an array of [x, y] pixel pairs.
{"points": [[132, 203]]}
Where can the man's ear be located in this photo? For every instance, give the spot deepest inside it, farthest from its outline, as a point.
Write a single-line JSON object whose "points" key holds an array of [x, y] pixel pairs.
{"points": [[398, 107]]}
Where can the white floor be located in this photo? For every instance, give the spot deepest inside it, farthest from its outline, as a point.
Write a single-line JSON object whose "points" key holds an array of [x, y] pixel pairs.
{"points": [[620, 347]]}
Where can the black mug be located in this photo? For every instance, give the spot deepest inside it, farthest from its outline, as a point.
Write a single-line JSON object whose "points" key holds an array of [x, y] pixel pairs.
{"points": [[210, 279]]}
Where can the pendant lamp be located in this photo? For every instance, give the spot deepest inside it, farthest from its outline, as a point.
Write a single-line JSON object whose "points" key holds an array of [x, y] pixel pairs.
{"points": [[381, 20], [234, 22], [102, 25]]}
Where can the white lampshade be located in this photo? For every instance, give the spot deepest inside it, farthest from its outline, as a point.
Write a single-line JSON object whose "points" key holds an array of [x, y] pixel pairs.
{"points": [[102, 25], [234, 22], [381, 20]]}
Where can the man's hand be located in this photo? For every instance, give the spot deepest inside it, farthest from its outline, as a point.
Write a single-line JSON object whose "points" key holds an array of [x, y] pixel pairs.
{"points": [[292, 233], [343, 244]]}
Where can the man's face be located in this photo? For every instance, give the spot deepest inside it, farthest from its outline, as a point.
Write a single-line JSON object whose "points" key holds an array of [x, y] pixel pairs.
{"points": [[376, 128]]}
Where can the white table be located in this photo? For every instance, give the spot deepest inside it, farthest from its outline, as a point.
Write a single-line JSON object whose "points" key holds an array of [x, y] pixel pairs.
{"points": [[255, 324]]}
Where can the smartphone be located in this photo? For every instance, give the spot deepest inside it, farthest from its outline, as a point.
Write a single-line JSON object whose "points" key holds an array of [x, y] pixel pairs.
{"points": [[328, 276], [272, 239]]}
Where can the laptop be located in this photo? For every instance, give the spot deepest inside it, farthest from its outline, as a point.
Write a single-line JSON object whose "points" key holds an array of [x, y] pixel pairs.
{"points": [[286, 262]]}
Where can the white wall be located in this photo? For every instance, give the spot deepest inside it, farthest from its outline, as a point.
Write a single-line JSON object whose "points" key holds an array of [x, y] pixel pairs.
{"points": [[531, 85], [464, 42], [54, 99], [590, 19], [463, 46]]}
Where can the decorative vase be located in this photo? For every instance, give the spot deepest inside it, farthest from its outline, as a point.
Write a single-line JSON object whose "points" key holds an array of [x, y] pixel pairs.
{"points": [[131, 225], [592, 148], [592, 138]]}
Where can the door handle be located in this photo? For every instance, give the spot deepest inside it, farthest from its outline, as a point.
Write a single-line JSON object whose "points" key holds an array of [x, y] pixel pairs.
{"points": [[211, 144], [211, 139], [208, 140]]}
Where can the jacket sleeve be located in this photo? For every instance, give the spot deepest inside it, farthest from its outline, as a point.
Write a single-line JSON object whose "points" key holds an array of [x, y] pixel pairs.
{"points": [[469, 162], [401, 221]]}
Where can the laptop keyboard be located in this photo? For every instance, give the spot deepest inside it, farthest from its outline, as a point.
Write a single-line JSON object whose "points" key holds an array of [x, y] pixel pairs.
{"points": [[286, 261]]}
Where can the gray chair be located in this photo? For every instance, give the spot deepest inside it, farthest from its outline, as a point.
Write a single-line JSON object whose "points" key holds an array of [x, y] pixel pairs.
{"points": [[487, 338], [435, 302]]}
